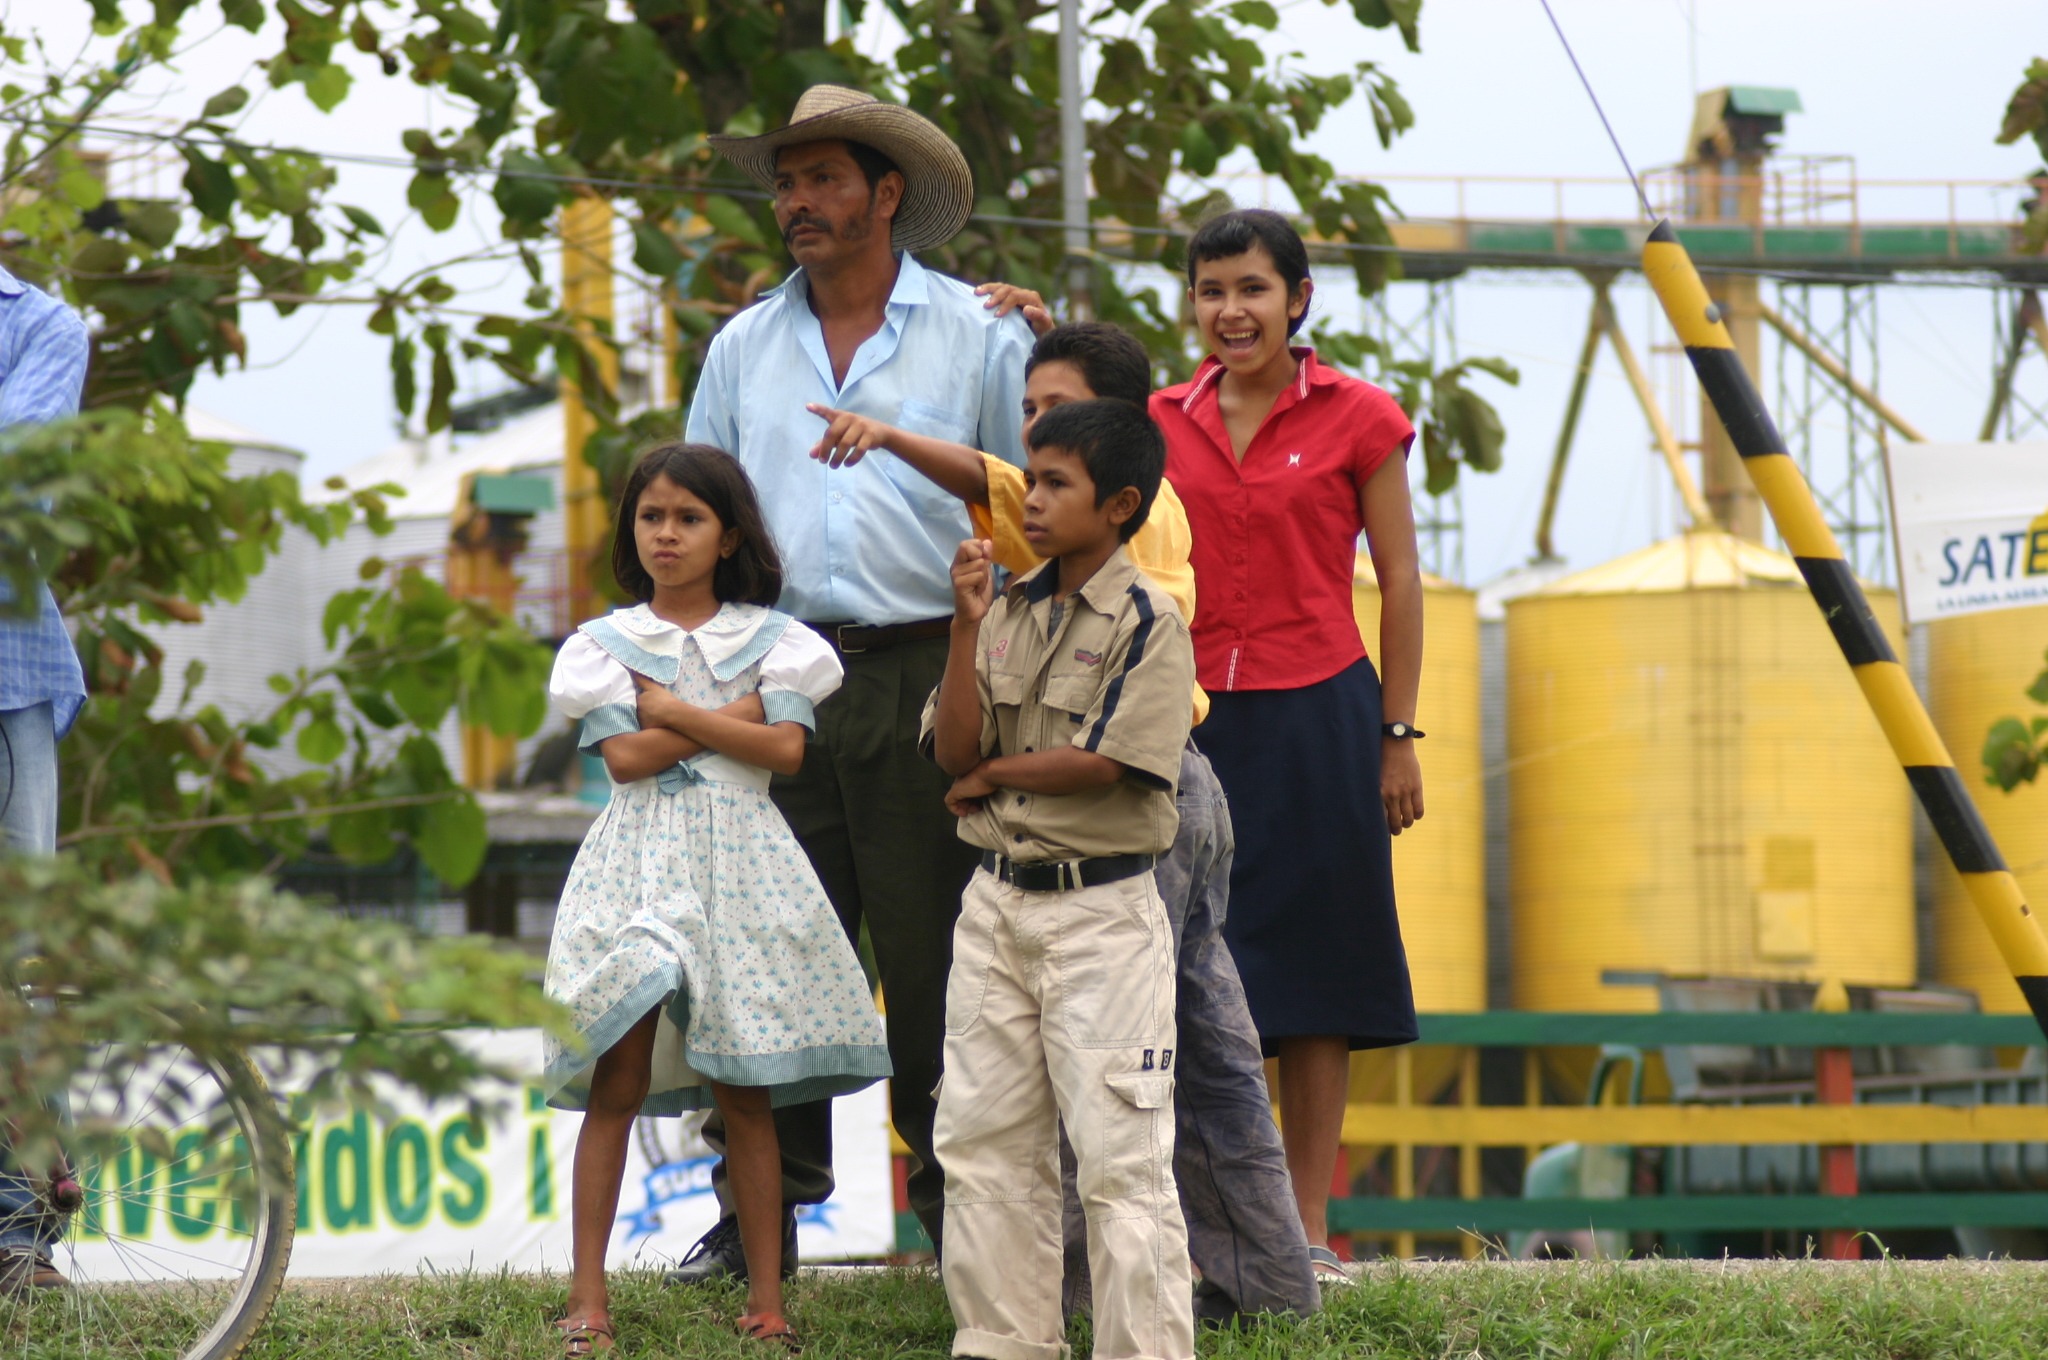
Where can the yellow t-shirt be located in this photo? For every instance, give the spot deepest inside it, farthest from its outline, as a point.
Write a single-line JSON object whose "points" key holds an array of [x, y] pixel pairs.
{"points": [[1160, 549]]}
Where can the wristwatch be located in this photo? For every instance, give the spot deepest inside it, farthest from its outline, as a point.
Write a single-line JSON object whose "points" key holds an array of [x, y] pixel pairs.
{"points": [[1400, 730]]}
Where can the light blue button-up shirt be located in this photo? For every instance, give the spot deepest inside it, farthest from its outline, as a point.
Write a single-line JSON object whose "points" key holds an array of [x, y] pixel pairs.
{"points": [[43, 349], [873, 543]]}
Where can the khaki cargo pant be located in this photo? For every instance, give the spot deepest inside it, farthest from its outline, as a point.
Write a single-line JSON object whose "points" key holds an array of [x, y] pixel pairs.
{"points": [[1060, 1006]]}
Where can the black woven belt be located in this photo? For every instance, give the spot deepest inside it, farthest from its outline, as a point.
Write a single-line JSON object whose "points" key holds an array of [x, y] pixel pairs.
{"points": [[1063, 874], [851, 639]]}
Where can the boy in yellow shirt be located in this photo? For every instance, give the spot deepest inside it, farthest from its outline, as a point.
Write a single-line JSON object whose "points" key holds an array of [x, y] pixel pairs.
{"points": [[1244, 1232]]}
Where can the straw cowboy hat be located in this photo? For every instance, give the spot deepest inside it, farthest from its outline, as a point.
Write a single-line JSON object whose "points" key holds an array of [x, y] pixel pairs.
{"points": [[938, 190]]}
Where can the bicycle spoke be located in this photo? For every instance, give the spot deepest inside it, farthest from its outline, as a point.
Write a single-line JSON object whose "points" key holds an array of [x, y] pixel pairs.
{"points": [[181, 1236]]}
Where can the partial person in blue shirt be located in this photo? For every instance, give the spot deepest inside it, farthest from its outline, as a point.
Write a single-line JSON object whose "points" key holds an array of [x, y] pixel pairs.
{"points": [[859, 186], [43, 348]]}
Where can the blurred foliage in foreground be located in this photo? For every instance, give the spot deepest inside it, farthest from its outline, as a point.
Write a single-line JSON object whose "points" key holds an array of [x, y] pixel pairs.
{"points": [[217, 966]]}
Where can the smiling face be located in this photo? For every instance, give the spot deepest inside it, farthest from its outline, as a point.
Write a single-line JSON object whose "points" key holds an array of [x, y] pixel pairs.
{"points": [[679, 537], [1053, 383], [825, 208], [1243, 308]]}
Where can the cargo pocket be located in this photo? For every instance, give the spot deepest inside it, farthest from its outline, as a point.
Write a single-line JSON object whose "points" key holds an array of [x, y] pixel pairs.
{"points": [[974, 949], [1136, 1110]]}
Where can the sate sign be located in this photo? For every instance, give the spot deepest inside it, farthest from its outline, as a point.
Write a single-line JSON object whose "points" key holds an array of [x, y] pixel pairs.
{"points": [[1972, 526]]}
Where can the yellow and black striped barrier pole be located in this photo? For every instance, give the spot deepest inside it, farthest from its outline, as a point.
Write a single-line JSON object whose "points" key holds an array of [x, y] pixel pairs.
{"points": [[1885, 684]]}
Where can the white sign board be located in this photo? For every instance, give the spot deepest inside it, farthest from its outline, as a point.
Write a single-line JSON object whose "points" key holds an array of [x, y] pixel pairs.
{"points": [[413, 1187], [1972, 524]]}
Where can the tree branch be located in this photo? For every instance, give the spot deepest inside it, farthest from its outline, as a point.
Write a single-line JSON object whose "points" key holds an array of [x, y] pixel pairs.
{"points": [[86, 833]]}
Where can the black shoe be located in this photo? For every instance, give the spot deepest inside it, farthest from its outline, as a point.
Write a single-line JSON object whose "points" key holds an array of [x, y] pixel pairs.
{"points": [[717, 1255]]}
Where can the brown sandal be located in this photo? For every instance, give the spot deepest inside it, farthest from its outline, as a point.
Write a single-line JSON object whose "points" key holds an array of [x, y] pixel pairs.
{"points": [[579, 1340], [771, 1327]]}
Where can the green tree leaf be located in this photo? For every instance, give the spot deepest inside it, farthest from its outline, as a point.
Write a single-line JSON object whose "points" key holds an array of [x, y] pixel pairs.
{"points": [[210, 183], [362, 221], [452, 838], [364, 837], [226, 104], [429, 192], [526, 199], [2010, 755], [322, 741], [654, 253]]}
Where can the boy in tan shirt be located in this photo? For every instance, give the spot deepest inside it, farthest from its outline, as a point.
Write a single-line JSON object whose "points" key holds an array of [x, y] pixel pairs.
{"points": [[1062, 717]]}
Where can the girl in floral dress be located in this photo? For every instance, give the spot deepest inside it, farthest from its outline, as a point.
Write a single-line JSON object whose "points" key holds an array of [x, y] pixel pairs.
{"points": [[694, 946]]}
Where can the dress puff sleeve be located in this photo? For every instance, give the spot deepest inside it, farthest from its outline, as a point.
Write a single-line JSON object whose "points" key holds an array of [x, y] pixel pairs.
{"points": [[799, 672], [590, 687]]}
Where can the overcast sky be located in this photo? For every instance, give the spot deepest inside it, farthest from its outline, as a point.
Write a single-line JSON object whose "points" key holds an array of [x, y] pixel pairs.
{"points": [[1909, 92]]}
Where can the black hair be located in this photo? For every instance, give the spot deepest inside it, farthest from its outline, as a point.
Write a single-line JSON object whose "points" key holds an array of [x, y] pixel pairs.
{"points": [[1118, 444], [1240, 229], [753, 574], [873, 164], [1109, 359]]}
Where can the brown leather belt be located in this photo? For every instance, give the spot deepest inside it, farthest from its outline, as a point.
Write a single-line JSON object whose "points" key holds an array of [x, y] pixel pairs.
{"points": [[851, 639]]}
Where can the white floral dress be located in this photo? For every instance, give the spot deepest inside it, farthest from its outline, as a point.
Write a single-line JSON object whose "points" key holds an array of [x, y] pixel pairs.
{"points": [[691, 895]]}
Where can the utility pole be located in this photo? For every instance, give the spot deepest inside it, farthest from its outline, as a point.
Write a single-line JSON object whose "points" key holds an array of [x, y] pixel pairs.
{"points": [[1074, 166], [587, 297]]}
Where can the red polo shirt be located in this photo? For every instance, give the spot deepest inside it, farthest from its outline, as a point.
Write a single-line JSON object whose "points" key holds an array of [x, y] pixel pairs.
{"points": [[1276, 535]]}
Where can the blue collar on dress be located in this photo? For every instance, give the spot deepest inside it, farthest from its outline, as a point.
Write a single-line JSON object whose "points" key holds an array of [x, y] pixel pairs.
{"points": [[731, 640]]}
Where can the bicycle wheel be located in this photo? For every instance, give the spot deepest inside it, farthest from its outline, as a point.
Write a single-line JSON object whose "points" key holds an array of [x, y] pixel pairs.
{"points": [[178, 1247]]}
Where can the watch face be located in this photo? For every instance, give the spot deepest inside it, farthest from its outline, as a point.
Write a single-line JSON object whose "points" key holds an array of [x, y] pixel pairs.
{"points": [[1398, 729]]}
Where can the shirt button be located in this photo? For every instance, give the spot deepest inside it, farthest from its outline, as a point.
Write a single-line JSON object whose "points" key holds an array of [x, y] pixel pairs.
{"points": [[1027, 750], [1019, 838], [1020, 800], [1240, 594], [838, 496]]}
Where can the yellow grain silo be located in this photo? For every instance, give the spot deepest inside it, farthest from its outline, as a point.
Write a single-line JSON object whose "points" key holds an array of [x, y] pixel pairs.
{"points": [[1696, 784], [1440, 863], [1978, 669]]}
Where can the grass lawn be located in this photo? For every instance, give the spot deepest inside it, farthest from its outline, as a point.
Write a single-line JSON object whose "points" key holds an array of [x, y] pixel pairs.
{"points": [[1752, 1310]]}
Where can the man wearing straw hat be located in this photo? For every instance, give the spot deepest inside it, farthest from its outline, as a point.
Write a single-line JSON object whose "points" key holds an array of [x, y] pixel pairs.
{"points": [[859, 186]]}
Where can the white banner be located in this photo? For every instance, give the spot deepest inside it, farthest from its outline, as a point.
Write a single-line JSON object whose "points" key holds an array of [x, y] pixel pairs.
{"points": [[1972, 525], [413, 1187]]}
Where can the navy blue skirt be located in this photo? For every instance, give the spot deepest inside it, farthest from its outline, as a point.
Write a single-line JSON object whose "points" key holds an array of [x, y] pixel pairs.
{"points": [[1311, 921]]}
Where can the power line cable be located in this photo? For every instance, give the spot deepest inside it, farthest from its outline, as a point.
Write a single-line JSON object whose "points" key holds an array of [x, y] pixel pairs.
{"points": [[1641, 197], [1981, 279]]}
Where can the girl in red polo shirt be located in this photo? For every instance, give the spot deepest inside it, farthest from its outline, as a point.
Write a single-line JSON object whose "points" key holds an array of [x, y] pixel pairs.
{"points": [[1281, 463]]}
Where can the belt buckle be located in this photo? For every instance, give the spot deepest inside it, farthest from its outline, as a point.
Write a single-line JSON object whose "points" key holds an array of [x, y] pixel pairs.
{"points": [[839, 640], [1069, 875]]}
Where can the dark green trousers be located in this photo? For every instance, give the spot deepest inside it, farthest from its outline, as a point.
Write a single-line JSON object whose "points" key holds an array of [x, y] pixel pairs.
{"points": [[871, 813]]}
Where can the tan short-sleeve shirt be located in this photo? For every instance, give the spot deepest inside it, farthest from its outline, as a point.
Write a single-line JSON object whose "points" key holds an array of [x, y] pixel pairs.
{"points": [[1112, 677]]}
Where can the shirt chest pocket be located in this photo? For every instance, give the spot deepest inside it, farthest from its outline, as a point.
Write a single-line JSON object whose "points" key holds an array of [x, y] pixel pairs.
{"points": [[936, 422], [922, 417], [1070, 696], [1006, 689]]}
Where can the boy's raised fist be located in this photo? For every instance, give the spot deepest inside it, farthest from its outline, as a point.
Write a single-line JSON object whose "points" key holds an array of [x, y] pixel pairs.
{"points": [[974, 581]]}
